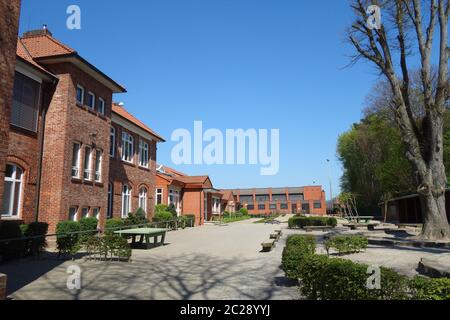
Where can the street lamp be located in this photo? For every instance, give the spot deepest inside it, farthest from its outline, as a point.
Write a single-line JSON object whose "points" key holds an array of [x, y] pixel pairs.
{"points": [[331, 188]]}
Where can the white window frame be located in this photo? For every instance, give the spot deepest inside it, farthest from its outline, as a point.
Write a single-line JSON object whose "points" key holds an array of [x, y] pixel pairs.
{"points": [[176, 199], [143, 199], [126, 198], [109, 213], [98, 165], [87, 171], [127, 144], [112, 152], [91, 94], [157, 193], [13, 194], [101, 106], [82, 94], [94, 214], [216, 205], [144, 151], [82, 212], [75, 217], [77, 166]]}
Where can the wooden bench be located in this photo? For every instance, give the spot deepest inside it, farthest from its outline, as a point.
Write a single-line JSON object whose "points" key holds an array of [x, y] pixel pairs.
{"points": [[410, 225], [267, 246], [359, 219], [315, 228], [145, 233], [354, 226]]}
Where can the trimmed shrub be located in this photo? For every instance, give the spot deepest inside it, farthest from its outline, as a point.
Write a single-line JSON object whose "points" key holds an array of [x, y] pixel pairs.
{"points": [[346, 244], [430, 289], [37, 231], [117, 246], [182, 222], [301, 222], [190, 220], [243, 211], [137, 218], [66, 240], [113, 224], [10, 249], [297, 247], [88, 224]]}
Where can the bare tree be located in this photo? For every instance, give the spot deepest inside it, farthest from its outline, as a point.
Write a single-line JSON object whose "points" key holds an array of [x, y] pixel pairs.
{"points": [[410, 25]]}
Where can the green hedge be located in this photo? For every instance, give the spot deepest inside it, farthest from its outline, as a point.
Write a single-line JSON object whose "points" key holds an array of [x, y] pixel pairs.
{"points": [[301, 222], [243, 211], [190, 219], [108, 247], [89, 226], [67, 242], [346, 244], [37, 231], [10, 250], [323, 278], [113, 224]]}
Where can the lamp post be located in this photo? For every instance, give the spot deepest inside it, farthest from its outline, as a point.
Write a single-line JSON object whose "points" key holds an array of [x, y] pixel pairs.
{"points": [[331, 187]]}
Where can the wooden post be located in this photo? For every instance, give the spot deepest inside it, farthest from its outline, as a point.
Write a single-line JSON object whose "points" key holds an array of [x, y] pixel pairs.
{"points": [[3, 279]]}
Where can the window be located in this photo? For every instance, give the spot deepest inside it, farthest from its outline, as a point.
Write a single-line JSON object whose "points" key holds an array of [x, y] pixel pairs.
{"points": [[296, 197], [143, 154], [279, 197], [317, 204], [159, 196], [262, 198], [126, 201], [91, 100], [273, 206], [143, 199], [98, 166], [246, 199], [87, 163], [127, 147], [112, 147], [284, 206], [76, 160], [73, 213], [101, 106], [110, 200], [174, 198], [25, 107], [12, 191], [250, 207], [80, 95], [85, 213], [96, 213], [216, 206], [261, 206]]}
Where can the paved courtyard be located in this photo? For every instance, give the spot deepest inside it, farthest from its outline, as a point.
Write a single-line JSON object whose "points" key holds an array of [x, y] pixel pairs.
{"points": [[209, 262]]}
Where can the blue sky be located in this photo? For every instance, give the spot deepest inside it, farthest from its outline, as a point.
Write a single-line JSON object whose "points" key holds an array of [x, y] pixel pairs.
{"points": [[232, 64]]}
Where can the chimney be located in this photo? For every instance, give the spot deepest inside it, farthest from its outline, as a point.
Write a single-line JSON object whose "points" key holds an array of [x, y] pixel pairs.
{"points": [[39, 32]]}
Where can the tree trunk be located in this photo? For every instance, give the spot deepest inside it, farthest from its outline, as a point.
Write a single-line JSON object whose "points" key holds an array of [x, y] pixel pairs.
{"points": [[436, 225]]}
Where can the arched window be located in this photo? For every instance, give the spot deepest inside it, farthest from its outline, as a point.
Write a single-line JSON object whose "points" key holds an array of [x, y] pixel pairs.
{"points": [[110, 200], [143, 199], [126, 201], [12, 191]]}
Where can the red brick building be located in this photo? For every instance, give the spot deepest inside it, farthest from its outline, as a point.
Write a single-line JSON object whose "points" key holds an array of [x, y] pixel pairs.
{"points": [[9, 25], [263, 201], [62, 118]]}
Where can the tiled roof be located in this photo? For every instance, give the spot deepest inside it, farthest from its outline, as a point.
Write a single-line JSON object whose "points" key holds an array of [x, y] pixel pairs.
{"points": [[120, 110], [23, 53], [45, 46], [193, 179]]}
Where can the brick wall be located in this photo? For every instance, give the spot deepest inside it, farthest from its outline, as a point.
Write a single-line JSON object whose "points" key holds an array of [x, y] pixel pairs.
{"points": [[66, 123], [9, 23], [131, 174], [3, 279]]}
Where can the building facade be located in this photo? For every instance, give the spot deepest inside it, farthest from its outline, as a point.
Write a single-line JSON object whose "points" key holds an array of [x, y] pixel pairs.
{"points": [[9, 24], [58, 164], [264, 201]]}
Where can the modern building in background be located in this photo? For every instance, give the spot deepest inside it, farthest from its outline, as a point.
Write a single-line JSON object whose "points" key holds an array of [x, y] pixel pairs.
{"points": [[307, 200]]}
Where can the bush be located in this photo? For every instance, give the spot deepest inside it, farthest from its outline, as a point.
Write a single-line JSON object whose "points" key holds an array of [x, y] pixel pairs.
{"points": [[301, 222], [67, 242], [297, 246], [243, 211], [161, 216], [113, 224], [430, 289], [137, 218], [37, 231], [161, 207], [182, 222], [190, 220], [117, 246], [88, 224], [346, 244], [11, 249]]}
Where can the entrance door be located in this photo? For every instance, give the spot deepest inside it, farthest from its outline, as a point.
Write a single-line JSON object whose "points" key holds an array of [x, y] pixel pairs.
{"points": [[294, 208], [306, 208]]}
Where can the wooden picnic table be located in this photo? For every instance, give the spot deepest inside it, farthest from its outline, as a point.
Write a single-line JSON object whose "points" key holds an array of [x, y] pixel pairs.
{"points": [[146, 233], [360, 218]]}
